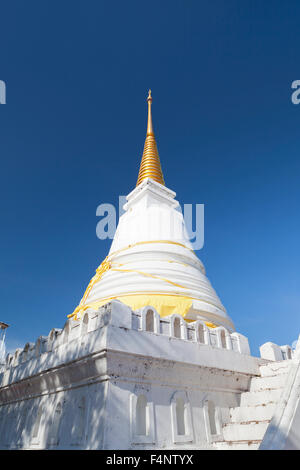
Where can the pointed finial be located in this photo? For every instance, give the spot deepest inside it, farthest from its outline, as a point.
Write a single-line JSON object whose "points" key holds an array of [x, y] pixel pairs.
{"points": [[150, 164], [149, 125]]}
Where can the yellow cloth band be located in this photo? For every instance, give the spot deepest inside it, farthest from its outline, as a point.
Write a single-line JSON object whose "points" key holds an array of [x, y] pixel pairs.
{"points": [[107, 264]]}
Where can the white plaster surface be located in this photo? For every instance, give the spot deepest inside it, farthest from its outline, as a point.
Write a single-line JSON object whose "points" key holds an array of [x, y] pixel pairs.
{"points": [[79, 387], [152, 216]]}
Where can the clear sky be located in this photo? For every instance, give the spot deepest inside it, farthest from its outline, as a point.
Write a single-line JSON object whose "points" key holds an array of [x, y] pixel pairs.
{"points": [[72, 135]]}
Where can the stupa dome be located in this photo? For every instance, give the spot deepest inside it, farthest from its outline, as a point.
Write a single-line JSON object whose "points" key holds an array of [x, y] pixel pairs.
{"points": [[151, 260]]}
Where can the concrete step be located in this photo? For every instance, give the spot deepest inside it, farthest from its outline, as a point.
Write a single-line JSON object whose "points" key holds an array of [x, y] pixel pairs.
{"points": [[245, 432], [263, 397], [275, 368], [237, 445], [243, 414], [266, 383]]}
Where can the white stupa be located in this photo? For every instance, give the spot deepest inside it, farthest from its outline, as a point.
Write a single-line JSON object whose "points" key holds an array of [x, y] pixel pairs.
{"points": [[149, 358], [151, 260]]}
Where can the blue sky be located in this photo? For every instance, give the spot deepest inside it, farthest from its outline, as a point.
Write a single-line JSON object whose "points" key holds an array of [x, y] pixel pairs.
{"points": [[72, 135]]}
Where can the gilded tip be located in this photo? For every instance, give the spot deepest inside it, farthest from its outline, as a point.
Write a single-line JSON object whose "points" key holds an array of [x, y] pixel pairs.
{"points": [[150, 164]]}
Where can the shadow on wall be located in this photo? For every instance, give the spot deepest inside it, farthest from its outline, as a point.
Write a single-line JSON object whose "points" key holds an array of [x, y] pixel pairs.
{"points": [[61, 421], [75, 418]]}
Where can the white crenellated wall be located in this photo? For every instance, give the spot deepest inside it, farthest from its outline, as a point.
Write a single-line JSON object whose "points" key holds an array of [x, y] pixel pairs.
{"points": [[119, 379], [273, 352], [165, 326]]}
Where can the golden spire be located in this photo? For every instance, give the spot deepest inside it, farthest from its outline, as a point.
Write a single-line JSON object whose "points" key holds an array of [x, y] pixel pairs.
{"points": [[150, 164]]}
